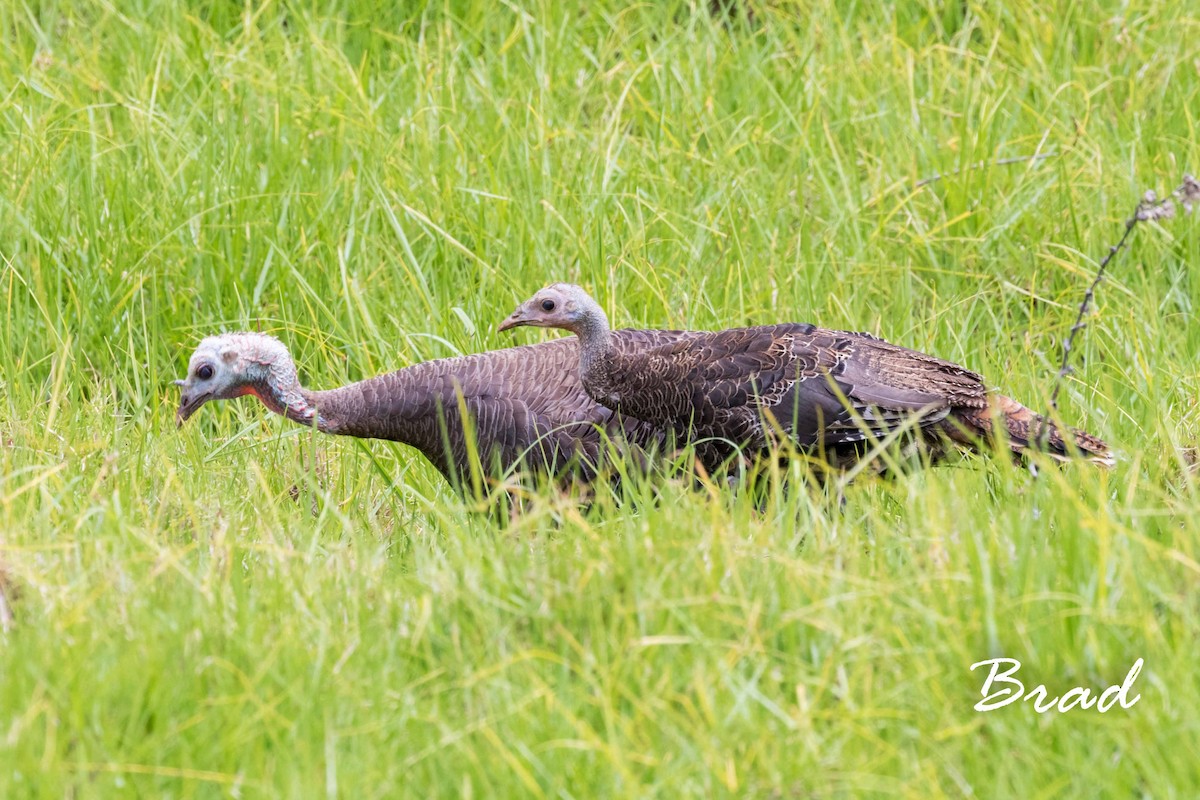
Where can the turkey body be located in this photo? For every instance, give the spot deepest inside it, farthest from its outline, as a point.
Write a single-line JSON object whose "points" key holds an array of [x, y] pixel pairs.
{"points": [[520, 407], [831, 392]]}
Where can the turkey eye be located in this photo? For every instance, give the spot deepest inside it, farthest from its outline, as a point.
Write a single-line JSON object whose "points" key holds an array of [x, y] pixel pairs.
{"points": [[547, 305], [204, 373]]}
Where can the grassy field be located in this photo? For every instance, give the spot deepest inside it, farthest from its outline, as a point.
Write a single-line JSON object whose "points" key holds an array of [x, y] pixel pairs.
{"points": [[379, 184]]}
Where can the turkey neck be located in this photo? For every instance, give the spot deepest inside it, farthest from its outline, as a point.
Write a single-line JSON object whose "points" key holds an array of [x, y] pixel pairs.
{"points": [[596, 354], [274, 382], [416, 406], [352, 409]]}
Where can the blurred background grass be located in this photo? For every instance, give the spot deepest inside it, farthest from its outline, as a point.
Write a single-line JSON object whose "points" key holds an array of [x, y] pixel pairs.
{"points": [[378, 184]]}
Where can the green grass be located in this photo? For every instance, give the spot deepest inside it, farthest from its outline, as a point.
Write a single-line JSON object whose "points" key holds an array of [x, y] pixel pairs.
{"points": [[381, 185]]}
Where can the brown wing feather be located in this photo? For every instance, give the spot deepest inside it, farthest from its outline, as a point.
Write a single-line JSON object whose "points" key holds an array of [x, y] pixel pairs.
{"points": [[890, 376], [818, 385], [714, 370]]}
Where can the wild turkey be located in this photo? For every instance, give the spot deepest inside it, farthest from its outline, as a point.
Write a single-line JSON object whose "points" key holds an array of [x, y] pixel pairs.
{"points": [[525, 404], [832, 392]]}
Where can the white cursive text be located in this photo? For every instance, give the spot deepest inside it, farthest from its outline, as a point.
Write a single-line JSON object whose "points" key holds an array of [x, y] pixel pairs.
{"points": [[1001, 689]]}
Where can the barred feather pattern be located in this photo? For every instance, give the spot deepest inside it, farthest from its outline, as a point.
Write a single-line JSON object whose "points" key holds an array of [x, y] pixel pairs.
{"points": [[827, 390]]}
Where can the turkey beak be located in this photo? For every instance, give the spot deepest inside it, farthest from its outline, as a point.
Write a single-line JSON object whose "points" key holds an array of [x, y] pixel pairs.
{"points": [[188, 403], [516, 320]]}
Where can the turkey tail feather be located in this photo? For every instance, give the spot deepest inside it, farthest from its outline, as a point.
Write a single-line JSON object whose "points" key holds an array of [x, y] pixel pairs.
{"points": [[1025, 427]]}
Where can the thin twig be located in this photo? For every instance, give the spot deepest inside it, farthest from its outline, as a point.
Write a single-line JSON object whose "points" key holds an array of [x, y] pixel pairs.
{"points": [[937, 176], [1064, 369], [1149, 209]]}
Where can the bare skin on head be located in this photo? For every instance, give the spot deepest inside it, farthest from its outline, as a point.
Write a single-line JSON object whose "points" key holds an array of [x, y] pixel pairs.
{"points": [[237, 364], [560, 305], [830, 391]]}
